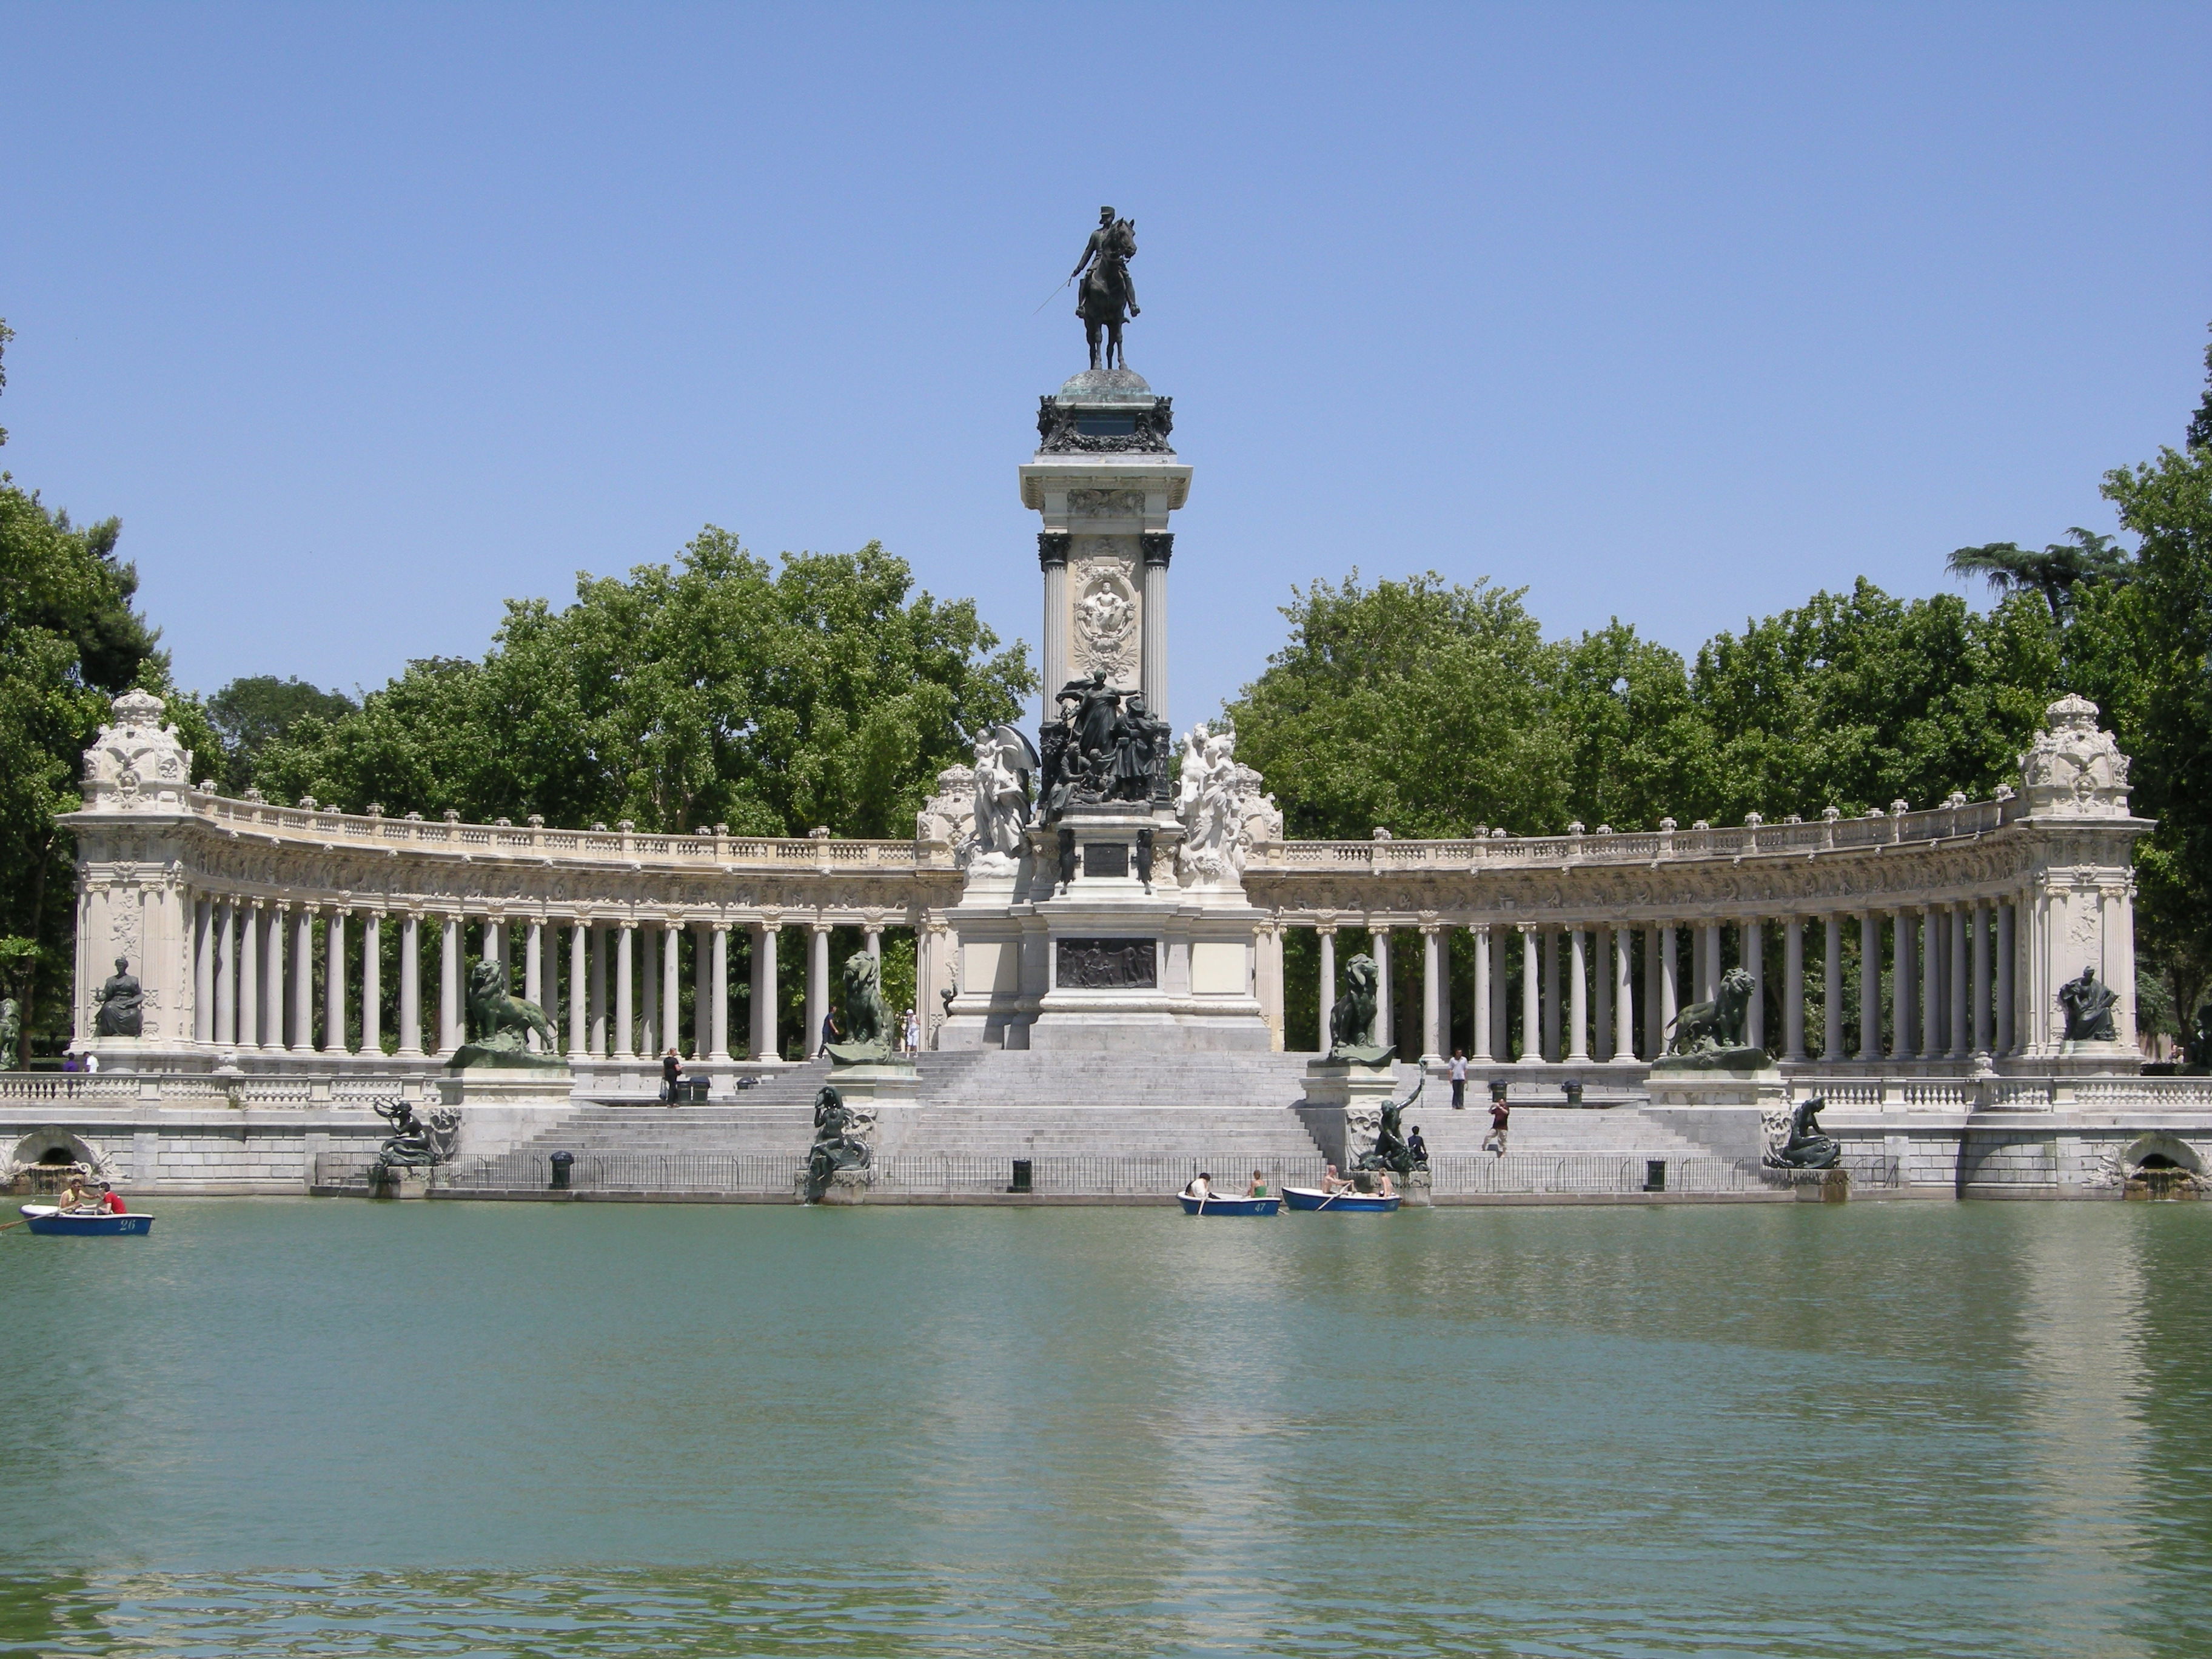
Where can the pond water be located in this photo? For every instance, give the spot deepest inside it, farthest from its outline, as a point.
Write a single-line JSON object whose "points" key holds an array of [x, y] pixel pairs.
{"points": [[330, 1427]]}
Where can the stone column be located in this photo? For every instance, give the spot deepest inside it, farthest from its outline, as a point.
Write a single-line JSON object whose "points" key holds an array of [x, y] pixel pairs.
{"points": [[204, 914], [702, 992], [533, 973], [334, 982], [1623, 995], [1601, 1044], [1052, 557], [1931, 1009], [1160, 547], [303, 979], [494, 949], [410, 985], [1432, 990], [1482, 1039], [1386, 1016], [764, 994], [1869, 986], [226, 975], [1751, 946], [718, 1030], [452, 1030], [1532, 1017], [602, 1034], [372, 984], [1267, 980], [249, 978], [579, 991], [672, 985], [625, 1031], [1578, 994], [1670, 999], [1793, 988], [2004, 1008], [2116, 925], [1979, 1036], [272, 977], [1328, 937], [1552, 1051], [1709, 961], [1655, 1036], [1832, 991], [817, 984], [1501, 999], [1962, 1030], [1900, 985], [648, 1021]]}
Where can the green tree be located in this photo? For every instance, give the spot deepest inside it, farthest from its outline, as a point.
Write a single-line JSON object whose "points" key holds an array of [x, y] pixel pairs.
{"points": [[254, 712], [2199, 435], [1853, 701], [720, 689], [2156, 652], [1415, 705], [2056, 573]]}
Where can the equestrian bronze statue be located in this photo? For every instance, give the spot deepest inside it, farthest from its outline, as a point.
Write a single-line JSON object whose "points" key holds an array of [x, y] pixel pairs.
{"points": [[1106, 297]]}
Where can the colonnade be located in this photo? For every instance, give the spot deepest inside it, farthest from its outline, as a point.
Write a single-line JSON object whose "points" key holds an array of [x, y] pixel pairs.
{"points": [[611, 989], [1605, 992]]}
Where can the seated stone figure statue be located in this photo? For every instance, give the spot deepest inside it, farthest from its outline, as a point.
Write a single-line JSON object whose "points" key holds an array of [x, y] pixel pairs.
{"points": [[122, 1004], [2088, 1007]]}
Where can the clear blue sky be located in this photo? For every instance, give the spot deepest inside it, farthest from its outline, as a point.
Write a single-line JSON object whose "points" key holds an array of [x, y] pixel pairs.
{"points": [[364, 319]]}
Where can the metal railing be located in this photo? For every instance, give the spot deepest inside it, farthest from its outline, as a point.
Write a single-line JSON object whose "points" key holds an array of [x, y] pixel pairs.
{"points": [[1572, 1174]]}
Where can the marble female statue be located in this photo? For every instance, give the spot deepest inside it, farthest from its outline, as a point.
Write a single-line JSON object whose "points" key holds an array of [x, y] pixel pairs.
{"points": [[1003, 760]]}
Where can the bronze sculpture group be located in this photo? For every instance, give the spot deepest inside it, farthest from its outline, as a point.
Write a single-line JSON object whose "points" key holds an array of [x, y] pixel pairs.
{"points": [[1102, 744], [1351, 1033], [840, 1143]]}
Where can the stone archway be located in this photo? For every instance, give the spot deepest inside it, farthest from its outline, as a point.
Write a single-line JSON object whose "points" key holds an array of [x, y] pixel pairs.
{"points": [[53, 1147]]}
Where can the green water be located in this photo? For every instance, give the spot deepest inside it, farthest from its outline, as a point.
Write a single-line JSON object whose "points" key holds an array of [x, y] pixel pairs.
{"points": [[335, 1428]]}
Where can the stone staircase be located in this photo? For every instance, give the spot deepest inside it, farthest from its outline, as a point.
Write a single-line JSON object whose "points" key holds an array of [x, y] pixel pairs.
{"points": [[984, 1109]]}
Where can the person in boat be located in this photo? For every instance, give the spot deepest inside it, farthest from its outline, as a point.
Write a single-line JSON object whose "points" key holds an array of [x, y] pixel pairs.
{"points": [[1333, 1183], [1201, 1186], [109, 1199], [72, 1194], [1384, 1187], [1258, 1189]]}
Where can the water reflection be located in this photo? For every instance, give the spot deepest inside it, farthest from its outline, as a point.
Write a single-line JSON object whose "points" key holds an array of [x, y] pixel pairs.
{"points": [[1788, 1430]]}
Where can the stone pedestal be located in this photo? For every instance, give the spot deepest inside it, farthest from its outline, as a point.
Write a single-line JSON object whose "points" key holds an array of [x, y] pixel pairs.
{"points": [[502, 1107], [1717, 1085], [1341, 1098], [398, 1182]]}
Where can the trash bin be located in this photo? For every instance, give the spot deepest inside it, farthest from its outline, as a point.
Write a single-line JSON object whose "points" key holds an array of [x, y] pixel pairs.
{"points": [[1498, 1091], [1574, 1093], [561, 1162], [1655, 1174]]}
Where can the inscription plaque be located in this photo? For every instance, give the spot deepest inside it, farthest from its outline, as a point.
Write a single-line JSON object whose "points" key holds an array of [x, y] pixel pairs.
{"points": [[1106, 858], [1107, 965]]}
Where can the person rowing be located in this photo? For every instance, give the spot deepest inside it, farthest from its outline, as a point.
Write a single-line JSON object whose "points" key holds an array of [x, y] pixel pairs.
{"points": [[1200, 1187], [1332, 1183]]}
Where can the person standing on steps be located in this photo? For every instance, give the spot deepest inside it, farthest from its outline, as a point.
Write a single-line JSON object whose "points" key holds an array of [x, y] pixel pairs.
{"points": [[1459, 1079], [1499, 1115], [670, 1069]]}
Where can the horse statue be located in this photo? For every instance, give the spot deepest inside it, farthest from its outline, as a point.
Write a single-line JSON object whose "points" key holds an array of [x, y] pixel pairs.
{"points": [[1709, 1027], [840, 1142], [418, 1143], [1352, 1021], [501, 1021], [1106, 297], [1806, 1148]]}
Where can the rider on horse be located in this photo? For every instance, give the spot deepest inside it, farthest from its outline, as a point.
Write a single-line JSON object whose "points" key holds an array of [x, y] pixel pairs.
{"points": [[1106, 286]]}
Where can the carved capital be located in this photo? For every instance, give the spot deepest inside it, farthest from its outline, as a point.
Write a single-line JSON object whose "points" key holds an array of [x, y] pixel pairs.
{"points": [[1052, 547], [1159, 546]]}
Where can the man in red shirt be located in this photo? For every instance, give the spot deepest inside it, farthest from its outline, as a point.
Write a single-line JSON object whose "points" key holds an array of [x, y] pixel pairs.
{"points": [[1495, 1141], [111, 1201]]}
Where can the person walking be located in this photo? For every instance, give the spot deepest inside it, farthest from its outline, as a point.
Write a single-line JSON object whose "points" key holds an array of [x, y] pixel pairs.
{"points": [[913, 1032], [670, 1069], [1459, 1079], [1499, 1115], [831, 1031]]}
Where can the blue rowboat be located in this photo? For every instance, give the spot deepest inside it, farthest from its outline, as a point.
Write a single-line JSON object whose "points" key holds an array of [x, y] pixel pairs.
{"points": [[1229, 1206], [1312, 1198], [86, 1223]]}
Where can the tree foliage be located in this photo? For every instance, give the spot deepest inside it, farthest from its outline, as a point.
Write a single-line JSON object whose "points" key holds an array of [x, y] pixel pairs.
{"points": [[254, 712], [2055, 573], [718, 689]]}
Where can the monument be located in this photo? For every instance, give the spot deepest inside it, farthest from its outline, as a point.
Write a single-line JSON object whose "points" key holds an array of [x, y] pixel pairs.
{"points": [[1103, 906]]}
